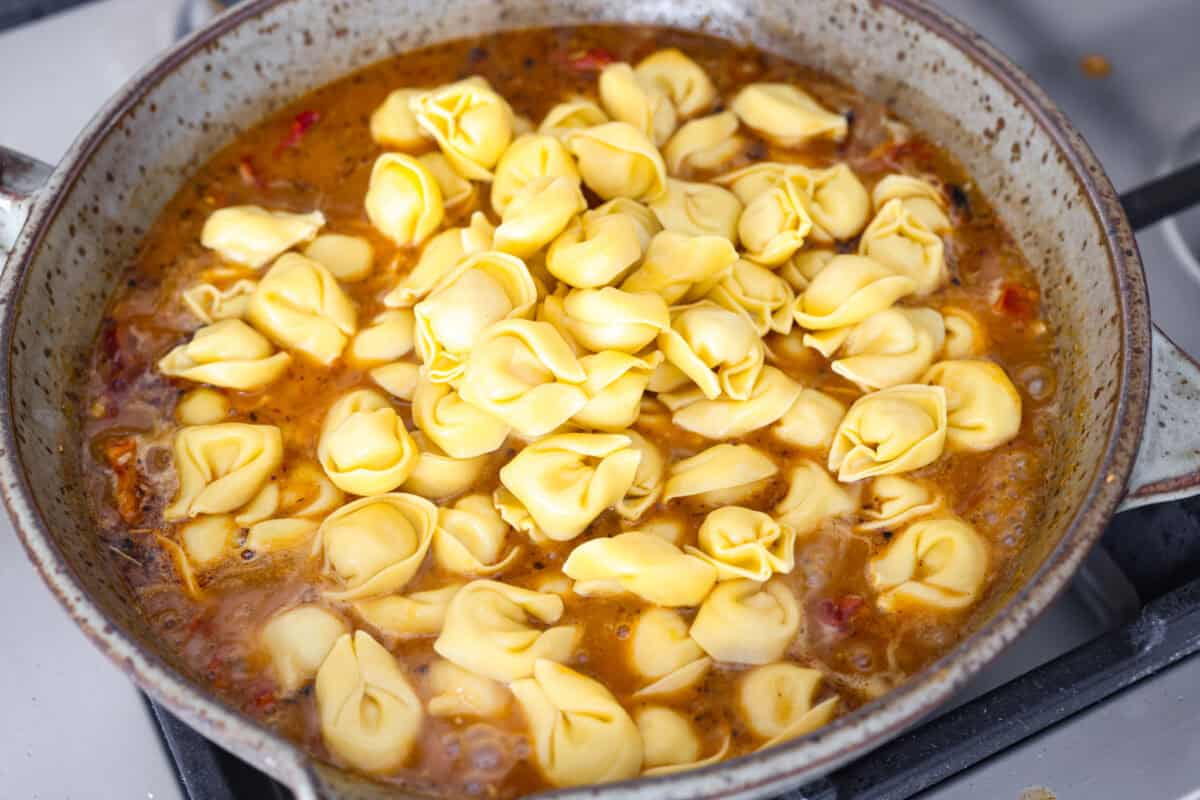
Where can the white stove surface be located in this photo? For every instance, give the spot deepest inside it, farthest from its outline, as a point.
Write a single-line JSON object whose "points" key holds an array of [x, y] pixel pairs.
{"points": [[74, 727]]}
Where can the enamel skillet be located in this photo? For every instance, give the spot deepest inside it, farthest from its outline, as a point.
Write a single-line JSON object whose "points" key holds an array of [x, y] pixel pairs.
{"points": [[69, 230]]}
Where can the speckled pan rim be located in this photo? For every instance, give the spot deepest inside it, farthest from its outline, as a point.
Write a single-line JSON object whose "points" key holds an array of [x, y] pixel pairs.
{"points": [[781, 767]]}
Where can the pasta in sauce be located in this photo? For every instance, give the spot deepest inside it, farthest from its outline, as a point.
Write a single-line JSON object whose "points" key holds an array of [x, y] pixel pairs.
{"points": [[484, 461]]}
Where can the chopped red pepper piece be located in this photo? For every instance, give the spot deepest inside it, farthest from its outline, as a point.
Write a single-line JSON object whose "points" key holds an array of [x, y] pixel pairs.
{"points": [[300, 125], [121, 455], [593, 59], [249, 173], [1016, 301], [839, 613]]}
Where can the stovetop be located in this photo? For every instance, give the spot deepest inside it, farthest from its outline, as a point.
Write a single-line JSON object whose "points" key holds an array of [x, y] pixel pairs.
{"points": [[1097, 700]]}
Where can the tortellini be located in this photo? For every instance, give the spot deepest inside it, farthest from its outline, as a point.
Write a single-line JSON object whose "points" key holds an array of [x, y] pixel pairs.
{"points": [[364, 446], [566, 481], [348, 258], [254, 236], [698, 209], [965, 335], [570, 115], [617, 160], [647, 223], [802, 269], [299, 305], [458, 193], [407, 616], [460, 693], [229, 354], [626, 97], [643, 564], [812, 421], [202, 407], [457, 427], [528, 157], [775, 223], [614, 386], [662, 651], [744, 543], [683, 80], [679, 266], [439, 476], [920, 199], [207, 540], [398, 379], [471, 537], [758, 293], [934, 563], [490, 631], [647, 483], [899, 240], [393, 123], [778, 702], [211, 304], [595, 250], [890, 347], [890, 431], [376, 544], [440, 255], [704, 144], [813, 497], [746, 622], [613, 319], [893, 501], [482, 289], [538, 213], [369, 714], [774, 393], [581, 734], [387, 338], [667, 736], [836, 201], [222, 467], [721, 475], [404, 201], [472, 124], [787, 115], [848, 290], [297, 641], [716, 348], [982, 405]]}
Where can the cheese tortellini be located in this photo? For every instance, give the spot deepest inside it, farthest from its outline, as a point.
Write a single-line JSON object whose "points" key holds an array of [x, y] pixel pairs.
{"points": [[892, 501], [982, 405], [595, 250], [471, 538], [848, 290], [229, 354], [538, 213], [614, 385], [779, 702], [528, 157], [571, 114], [724, 474], [404, 200], [683, 80], [758, 293], [716, 348], [439, 476], [407, 616], [581, 734], [472, 125], [642, 564], [387, 338], [890, 347], [525, 374], [454, 425], [297, 641], [682, 267], [364, 447], [222, 467], [935, 563], [776, 222], [746, 622], [211, 304], [629, 98], [663, 652], [348, 258], [566, 481], [254, 236], [773, 394], [613, 319], [787, 115], [375, 545], [300, 306], [491, 630], [482, 289], [890, 431], [698, 209], [744, 543], [393, 123], [460, 693], [369, 714], [920, 199], [439, 256], [965, 335], [899, 240], [704, 144], [812, 421], [813, 497], [618, 160], [647, 481]]}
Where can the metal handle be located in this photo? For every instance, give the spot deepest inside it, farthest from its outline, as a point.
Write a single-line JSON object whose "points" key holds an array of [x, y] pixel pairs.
{"points": [[20, 179], [1168, 460]]}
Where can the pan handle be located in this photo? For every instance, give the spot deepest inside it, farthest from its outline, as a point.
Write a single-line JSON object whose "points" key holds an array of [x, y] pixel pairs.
{"points": [[1168, 461], [20, 179]]}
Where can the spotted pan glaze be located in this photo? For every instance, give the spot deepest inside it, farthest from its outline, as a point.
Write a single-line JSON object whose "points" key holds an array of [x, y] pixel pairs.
{"points": [[87, 219]]}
